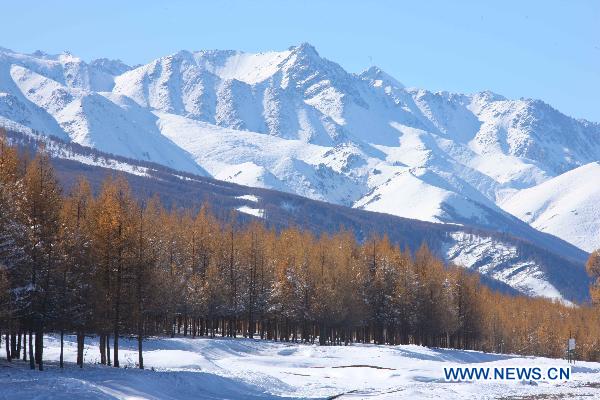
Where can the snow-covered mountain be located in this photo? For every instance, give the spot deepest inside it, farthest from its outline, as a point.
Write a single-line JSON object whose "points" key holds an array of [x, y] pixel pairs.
{"points": [[567, 206], [297, 122], [66, 97]]}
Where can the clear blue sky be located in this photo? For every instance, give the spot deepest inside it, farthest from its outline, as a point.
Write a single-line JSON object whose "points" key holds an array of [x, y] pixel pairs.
{"points": [[541, 49]]}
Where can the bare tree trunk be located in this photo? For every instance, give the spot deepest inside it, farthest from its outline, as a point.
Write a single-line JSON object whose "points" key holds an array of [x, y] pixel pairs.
{"points": [[322, 334], [103, 349], [40, 334], [7, 343], [140, 354], [31, 356], [18, 352], [108, 350], [62, 347], [116, 348], [80, 345], [13, 345], [37, 347], [25, 346]]}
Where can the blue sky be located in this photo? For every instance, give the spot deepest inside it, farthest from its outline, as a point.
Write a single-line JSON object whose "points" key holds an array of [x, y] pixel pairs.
{"points": [[541, 49]]}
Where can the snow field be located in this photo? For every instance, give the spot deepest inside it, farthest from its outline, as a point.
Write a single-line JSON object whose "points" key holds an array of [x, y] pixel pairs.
{"points": [[222, 368]]}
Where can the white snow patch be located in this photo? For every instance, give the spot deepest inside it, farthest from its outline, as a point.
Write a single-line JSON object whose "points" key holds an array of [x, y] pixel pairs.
{"points": [[257, 212], [248, 67], [248, 197]]}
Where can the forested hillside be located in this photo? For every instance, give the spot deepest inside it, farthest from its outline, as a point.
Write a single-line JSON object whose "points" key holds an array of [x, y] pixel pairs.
{"points": [[531, 263], [112, 265]]}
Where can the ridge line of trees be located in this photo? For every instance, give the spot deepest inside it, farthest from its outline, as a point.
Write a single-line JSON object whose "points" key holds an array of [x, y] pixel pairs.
{"points": [[113, 266]]}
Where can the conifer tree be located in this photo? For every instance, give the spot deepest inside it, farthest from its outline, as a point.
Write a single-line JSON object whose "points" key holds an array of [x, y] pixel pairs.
{"points": [[42, 203], [76, 269]]}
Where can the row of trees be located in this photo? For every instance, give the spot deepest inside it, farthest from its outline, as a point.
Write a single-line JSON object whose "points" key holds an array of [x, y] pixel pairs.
{"points": [[113, 266]]}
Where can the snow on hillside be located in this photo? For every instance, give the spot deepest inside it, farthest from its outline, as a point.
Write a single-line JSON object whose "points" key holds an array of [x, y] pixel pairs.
{"points": [[254, 159], [58, 101], [413, 193], [294, 121], [248, 197], [67, 69], [257, 212], [500, 262], [245, 67], [185, 368], [567, 206], [362, 130]]}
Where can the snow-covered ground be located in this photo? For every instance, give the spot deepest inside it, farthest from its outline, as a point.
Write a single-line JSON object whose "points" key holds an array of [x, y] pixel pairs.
{"points": [[185, 368]]}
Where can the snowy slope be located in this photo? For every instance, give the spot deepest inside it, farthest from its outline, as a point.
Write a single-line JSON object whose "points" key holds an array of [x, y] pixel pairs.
{"points": [[294, 121], [501, 262], [57, 97], [567, 206], [185, 368], [365, 133]]}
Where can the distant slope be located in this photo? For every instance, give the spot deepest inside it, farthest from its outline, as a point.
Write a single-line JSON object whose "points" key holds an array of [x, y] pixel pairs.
{"points": [[567, 206], [541, 265]]}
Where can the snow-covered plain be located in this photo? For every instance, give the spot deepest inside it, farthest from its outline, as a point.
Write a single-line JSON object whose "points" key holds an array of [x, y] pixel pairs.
{"points": [[185, 368]]}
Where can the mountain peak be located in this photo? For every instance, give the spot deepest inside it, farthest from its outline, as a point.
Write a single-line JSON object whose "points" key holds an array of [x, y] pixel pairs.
{"points": [[305, 51], [305, 48], [379, 77], [39, 53], [6, 50], [488, 96], [67, 56], [113, 67]]}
